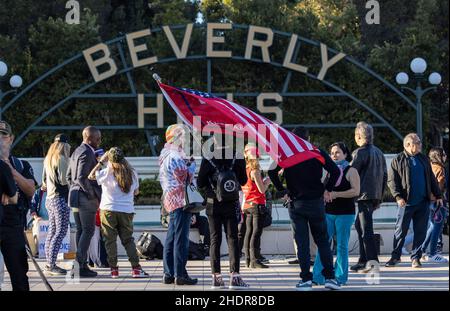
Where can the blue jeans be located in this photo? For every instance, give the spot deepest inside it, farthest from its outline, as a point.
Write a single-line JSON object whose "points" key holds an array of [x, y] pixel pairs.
{"points": [[434, 230], [307, 214], [419, 214], [176, 246], [341, 226]]}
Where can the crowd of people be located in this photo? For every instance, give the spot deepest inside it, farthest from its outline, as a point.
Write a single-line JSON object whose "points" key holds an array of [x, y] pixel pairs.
{"points": [[324, 200]]}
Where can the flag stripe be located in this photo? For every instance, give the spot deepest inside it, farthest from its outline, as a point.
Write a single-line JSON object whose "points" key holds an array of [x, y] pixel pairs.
{"points": [[283, 146]]}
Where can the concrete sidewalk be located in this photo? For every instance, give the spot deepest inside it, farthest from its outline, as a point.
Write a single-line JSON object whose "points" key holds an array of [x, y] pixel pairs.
{"points": [[280, 276]]}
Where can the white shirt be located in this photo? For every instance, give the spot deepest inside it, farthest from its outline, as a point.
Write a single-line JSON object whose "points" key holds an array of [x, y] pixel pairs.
{"points": [[113, 198]]}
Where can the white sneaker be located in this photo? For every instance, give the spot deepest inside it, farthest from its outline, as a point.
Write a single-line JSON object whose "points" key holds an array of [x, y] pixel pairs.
{"points": [[332, 284], [437, 258], [304, 286]]}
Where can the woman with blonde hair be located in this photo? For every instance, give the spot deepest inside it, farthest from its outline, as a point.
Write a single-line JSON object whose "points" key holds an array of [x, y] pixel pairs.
{"points": [[55, 182], [120, 184], [254, 206]]}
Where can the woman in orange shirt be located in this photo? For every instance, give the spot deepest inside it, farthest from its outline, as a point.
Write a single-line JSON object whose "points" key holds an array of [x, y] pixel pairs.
{"points": [[254, 204]]}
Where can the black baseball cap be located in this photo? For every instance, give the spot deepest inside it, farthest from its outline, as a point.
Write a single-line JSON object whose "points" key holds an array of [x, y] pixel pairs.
{"points": [[5, 128], [61, 138]]}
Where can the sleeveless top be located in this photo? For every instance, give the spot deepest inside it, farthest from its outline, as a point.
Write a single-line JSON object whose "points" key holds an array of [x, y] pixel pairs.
{"points": [[342, 206], [251, 192]]}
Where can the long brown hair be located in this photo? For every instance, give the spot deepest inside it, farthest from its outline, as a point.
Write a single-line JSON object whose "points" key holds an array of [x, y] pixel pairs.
{"points": [[124, 174], [436, 155]]}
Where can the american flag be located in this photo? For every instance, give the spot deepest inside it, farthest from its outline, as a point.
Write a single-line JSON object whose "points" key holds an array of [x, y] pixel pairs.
{"points": [[281, 145]]}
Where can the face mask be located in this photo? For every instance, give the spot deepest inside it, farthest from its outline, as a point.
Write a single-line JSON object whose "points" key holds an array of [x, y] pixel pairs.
{"points": [[342, 163]]}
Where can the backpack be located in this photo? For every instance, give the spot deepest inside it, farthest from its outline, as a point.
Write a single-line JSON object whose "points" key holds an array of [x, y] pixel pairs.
{"points": [[38, 203], [267, 211], [226, 187], [196, 251], [149, 246]]}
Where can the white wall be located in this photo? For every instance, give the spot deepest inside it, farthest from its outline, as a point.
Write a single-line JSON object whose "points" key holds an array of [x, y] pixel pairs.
{"points": [[148, 167]]}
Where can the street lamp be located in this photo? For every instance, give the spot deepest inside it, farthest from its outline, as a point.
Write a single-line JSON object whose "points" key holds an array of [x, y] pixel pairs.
{"points": [[418, 66], [15, 82]]}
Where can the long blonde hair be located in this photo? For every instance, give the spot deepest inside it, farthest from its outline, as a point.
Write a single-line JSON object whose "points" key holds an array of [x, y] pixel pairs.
{"points": [[55, 152], [124, 174], [253, 164], [251, 158]]}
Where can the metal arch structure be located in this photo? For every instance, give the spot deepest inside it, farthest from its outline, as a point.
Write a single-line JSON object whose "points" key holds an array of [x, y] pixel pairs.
{"points": [[118, 42]]}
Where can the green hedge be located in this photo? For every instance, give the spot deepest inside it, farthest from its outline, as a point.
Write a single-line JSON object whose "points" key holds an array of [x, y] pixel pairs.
{"points": [[149, 192]]}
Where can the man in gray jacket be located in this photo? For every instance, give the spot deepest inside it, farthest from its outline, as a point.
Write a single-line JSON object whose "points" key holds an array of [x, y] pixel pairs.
{"points": [[371, 165], [412, 183], [84, 195]]}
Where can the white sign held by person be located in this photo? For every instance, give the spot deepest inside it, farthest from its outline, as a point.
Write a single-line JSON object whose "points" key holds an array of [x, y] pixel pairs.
{"points": [[40, 229]]}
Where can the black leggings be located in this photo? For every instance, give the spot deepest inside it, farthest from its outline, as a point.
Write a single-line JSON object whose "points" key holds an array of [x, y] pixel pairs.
{"points": [[230, 224], [254, 229]]}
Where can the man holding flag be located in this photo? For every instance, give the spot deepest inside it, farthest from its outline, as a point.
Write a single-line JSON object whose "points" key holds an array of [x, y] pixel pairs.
{"points": [[307, 210]]}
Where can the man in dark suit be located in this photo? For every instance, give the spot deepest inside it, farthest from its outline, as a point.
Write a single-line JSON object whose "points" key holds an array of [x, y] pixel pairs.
{"points": [[84, 195]]}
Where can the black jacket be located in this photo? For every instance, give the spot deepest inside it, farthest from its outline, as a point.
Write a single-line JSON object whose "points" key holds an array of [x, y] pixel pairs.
{"points": [[370, 163], [304, 180], [81, 163], [399, 181]]}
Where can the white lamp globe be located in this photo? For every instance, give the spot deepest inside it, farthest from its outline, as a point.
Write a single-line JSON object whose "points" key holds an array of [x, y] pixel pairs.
{"points": [[435, 78], [3, 69], [418, 65], [15, 81], [402, 78]]}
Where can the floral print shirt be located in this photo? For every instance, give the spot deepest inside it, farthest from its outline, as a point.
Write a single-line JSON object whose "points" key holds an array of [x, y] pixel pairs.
{"points": [[173, 173]]}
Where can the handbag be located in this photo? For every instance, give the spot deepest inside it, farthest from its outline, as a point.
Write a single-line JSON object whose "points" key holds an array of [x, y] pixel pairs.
{"points": [[194, 200]]}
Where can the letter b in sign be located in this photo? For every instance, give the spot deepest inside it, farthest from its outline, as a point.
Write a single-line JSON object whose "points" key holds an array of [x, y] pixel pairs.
{"points": [[73, 16]]}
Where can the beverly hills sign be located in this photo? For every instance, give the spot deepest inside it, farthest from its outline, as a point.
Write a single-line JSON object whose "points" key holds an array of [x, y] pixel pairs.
{"points": [[102, 65]]}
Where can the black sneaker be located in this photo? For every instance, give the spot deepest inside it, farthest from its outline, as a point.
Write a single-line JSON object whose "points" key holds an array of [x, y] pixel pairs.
{"points": [[55, 270], [293, 262], [217, 282], [185, 280], [258, 265], [263, 259], [358, 266], [167, 279], [371, 265], [236, 282], [392, 262], [87, 273]]}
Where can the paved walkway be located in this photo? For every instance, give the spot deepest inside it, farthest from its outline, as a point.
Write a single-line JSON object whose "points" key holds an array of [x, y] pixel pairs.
{"points": [[280, 276]]}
